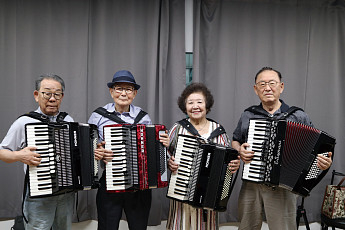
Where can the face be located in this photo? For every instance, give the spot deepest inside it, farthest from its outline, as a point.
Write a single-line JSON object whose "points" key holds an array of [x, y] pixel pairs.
{"points": [[270, 92], [49, 106], [196, 106], [123, 98]]}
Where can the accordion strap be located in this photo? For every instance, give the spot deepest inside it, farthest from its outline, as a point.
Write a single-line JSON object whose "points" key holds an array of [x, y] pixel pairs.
{"points": [[190, 128], [218, 131], [290, 111], [256, 109], [45, 118], [140, 115], [112, 116], [26, 181]]}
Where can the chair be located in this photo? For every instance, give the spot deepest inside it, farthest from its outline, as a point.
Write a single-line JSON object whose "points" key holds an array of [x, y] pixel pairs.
{"points": [[334, 223]]}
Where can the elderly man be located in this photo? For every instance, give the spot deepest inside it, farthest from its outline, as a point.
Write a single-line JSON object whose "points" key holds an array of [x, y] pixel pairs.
{"points": [[279, 204], [41, 213], [123, 89]]}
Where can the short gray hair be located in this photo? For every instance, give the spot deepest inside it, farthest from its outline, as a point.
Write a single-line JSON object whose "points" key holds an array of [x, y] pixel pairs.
{"points": [[49, 76]]}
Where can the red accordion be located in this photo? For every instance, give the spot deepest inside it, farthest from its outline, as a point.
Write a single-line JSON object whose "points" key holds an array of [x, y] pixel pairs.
{"points": [[139, 158]]}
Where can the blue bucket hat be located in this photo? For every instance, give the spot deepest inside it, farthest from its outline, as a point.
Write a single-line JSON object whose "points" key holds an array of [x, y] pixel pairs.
{"points": [[123, 76]]}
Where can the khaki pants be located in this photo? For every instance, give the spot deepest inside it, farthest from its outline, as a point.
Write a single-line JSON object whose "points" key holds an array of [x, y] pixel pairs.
{"points": [[279, 206]]}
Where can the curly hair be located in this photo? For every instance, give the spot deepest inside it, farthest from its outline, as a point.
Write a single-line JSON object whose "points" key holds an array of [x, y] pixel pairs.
{"points": [[195, 88]]}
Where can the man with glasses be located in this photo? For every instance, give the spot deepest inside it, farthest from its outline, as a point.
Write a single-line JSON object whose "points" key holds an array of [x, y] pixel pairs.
{"points": [[279, 205], [41, 213], [123, 89]]}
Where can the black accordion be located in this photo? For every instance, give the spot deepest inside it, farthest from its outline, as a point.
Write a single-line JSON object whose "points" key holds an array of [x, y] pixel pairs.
{"points": [[139, 158], [67, 157], [285, 154], [203, 179]]}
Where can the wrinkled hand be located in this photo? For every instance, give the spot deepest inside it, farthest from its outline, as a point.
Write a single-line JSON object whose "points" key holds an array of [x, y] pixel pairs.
{"points": [[234, 165], [324, 162], [28, 156], [103, 154], [245, 155], [172, 165], [164, 139]]}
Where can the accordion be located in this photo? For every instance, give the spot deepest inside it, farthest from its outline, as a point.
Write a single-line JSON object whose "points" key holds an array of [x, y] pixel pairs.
{"points": [[139, 158], [203, 179], [285, 154], [67, 157]]}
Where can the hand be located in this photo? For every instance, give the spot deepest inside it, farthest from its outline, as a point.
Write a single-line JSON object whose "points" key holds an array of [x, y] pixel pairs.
{"points": [[103, 154], [164, 139], [234, 165], [246, 155], [28, 156], [324, 162], [172, 165]]}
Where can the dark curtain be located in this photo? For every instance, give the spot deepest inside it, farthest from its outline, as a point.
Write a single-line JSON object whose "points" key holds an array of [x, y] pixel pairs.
{"points": [[302, 39], [86, 42]]}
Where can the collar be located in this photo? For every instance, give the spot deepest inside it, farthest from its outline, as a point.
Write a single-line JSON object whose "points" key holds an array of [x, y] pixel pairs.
{"points": [[283, 107], [51, 118], [131, 112]]}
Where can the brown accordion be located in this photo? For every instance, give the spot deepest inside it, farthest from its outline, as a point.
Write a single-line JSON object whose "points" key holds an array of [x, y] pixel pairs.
{"points": [[139, 158], [285, 154]]}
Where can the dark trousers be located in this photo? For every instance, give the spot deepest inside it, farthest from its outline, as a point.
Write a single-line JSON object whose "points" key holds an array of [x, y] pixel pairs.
{"points": [[109, 208]]}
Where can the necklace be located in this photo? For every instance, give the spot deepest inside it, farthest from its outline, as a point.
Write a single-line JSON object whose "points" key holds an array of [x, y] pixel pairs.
{"points": [[203, 126]]}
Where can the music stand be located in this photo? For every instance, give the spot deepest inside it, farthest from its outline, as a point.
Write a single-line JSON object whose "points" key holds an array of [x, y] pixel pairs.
{"points": [[302, 212]]}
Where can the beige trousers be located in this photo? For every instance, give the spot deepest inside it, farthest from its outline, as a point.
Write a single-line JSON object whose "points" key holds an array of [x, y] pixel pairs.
{"points": [[257, 200]]}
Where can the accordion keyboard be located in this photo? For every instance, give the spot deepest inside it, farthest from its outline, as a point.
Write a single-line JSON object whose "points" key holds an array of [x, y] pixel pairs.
{"points": [[118, 169], [184, 157], [254, 171]]}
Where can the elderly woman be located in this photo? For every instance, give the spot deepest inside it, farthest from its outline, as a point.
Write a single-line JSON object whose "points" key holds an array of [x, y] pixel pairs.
{"points": [[195, 101]]}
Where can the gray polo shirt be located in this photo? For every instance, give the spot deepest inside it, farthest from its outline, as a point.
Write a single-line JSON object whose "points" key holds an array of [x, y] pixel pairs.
{"points": [[15, 137]]}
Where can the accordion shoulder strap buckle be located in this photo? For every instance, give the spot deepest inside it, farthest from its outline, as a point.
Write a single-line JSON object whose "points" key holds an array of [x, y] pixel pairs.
{"points": [[61, 116], [291, 110]]}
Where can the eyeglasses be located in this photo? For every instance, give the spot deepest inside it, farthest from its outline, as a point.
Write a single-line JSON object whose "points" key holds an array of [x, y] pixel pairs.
{"points": [[121, 89], [48, 95], [271, 84]]}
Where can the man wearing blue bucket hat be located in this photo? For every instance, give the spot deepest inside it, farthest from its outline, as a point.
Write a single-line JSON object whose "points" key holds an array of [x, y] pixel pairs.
{"points": [[136, 205]]}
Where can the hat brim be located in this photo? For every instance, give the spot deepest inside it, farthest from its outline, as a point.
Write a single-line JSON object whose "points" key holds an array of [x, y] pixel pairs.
{"points": [[111, 84]]}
